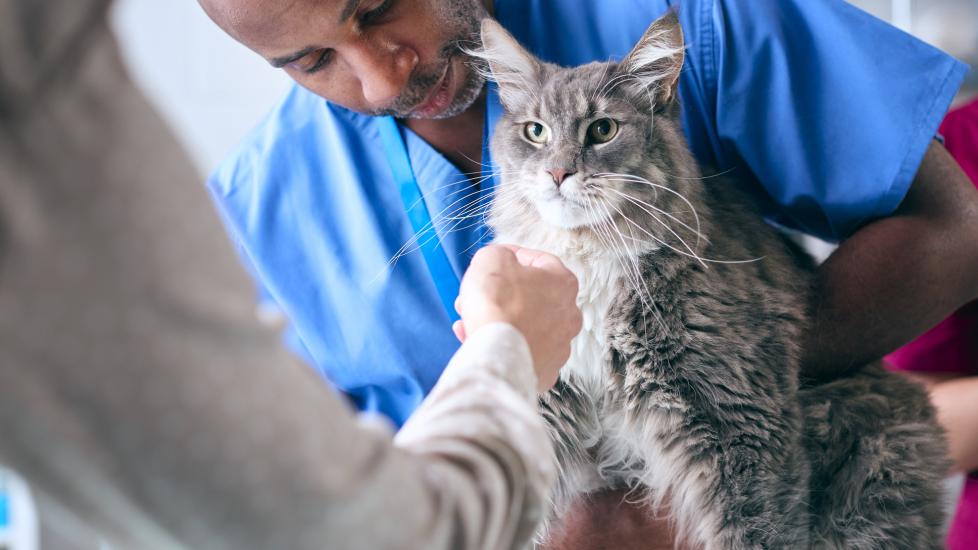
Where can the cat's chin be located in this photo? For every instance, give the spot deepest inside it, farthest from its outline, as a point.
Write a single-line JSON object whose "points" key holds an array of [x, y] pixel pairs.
{"points": [[563, 214]]}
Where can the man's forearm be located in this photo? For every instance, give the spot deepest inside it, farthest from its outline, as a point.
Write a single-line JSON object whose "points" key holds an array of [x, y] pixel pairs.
{"points": [[897, 277]]}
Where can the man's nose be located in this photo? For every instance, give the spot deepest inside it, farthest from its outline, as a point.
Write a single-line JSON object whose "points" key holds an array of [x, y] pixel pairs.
{"points": [[383, 69]]}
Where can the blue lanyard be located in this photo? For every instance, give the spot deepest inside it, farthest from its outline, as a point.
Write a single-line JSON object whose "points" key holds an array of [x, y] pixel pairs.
{"points": [[444, 277], [494, 110]]}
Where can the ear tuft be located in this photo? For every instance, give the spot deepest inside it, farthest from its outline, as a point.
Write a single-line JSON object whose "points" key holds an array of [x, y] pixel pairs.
{"points": [[514, 69], [657, 59]]}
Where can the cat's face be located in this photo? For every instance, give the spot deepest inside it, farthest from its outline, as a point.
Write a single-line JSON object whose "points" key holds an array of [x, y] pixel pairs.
{"points": [[558, 146], [587, 145]]}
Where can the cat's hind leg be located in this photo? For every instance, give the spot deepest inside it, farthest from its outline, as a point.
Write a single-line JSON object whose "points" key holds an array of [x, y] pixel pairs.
{"points": [[575, 430], [726, 489], [878, 463]]}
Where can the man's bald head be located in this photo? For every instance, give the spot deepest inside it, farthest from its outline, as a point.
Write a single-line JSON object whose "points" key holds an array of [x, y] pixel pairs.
{"points": [[233, 16]]}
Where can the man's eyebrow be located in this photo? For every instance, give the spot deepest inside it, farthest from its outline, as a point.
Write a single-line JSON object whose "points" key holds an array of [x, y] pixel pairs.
{"points": [[279, 62], [351, 6]]}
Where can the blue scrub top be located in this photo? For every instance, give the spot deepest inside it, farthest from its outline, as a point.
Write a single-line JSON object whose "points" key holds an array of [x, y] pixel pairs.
{"points": [[823, 111]]}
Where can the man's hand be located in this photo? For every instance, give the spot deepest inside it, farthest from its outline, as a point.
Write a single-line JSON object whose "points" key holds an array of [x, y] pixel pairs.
{"points": [[955, 397], [530, 290]]}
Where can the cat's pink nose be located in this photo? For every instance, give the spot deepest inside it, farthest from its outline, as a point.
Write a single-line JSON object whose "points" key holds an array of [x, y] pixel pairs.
{"points": [[559, 175]]}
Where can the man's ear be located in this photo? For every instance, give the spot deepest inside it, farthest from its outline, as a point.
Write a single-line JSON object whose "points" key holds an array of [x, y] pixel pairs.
{"points": [[657, 59], [515, 70]]}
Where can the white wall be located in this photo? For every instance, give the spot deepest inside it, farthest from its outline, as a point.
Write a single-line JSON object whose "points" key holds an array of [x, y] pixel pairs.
{"points": [[211, 89], [951, 25]]}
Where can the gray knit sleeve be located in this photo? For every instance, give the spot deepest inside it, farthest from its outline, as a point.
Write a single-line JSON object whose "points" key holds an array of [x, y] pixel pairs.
{"points": [[138, 390]]}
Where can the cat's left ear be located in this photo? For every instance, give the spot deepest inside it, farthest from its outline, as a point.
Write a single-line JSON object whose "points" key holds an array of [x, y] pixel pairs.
{"points": [[657, 59], [512, 67]]}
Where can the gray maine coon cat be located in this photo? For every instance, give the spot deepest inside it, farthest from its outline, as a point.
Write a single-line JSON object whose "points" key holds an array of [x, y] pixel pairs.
{"points": [[684, 383]]}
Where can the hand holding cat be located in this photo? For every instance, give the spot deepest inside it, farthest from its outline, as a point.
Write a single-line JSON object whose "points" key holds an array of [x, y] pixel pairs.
{"points": [[531, 290]]}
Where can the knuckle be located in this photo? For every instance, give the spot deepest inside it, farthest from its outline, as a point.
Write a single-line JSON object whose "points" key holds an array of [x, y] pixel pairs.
{"points": [[571, 281], [577, 322], [483, 254], [493, 256]]}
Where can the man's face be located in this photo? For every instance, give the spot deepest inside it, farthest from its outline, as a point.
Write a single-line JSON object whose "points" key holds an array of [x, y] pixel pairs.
{"points": [[378, 57]]}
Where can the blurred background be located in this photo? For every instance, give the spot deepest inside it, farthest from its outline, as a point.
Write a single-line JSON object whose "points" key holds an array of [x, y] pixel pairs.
{"points": [[212, 91], [209, 88], [951, 25]]}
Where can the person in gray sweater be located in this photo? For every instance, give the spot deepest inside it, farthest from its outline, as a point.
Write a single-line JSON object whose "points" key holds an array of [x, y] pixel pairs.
{"points": [[138, 389]]}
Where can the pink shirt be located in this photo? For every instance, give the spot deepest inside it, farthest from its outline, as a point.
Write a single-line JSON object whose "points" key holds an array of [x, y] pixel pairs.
{"points": [[952, 346]]}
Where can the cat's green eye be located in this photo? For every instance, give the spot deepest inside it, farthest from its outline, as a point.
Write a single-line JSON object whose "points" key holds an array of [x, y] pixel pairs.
{"points": [[602, 131], [536, 132]]}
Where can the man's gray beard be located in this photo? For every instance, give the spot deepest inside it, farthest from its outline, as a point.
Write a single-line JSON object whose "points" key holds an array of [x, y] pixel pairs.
{"points": [[467, 93], [465, 15], [423, 84]]}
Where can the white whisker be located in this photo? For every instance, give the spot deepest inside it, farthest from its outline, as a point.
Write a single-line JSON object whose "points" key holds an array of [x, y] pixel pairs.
{"points": [[643, 205], [691, 253], [632, 271], [638, 179]]}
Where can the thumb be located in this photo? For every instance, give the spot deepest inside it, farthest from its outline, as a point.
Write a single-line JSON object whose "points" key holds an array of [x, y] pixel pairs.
{"points": [[458, 327]]}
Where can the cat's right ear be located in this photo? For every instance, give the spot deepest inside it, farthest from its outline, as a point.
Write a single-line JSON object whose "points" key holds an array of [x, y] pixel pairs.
{"points": [[656, 61], [512, 67]]}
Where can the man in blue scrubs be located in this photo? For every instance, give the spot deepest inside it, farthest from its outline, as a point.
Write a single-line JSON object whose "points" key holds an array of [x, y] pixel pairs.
{"points": [[825, 113]]}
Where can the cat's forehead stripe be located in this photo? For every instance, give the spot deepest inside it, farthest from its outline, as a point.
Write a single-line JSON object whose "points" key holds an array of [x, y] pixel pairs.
{"points": [[564, 97]]}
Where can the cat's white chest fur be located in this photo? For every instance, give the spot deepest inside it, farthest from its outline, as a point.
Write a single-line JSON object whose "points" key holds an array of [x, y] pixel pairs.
{"points": [[588, 363], [620, 443], [598, 271]]}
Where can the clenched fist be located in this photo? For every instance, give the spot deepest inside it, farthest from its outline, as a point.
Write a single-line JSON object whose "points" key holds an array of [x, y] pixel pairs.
{"points": [[531, 290]]}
